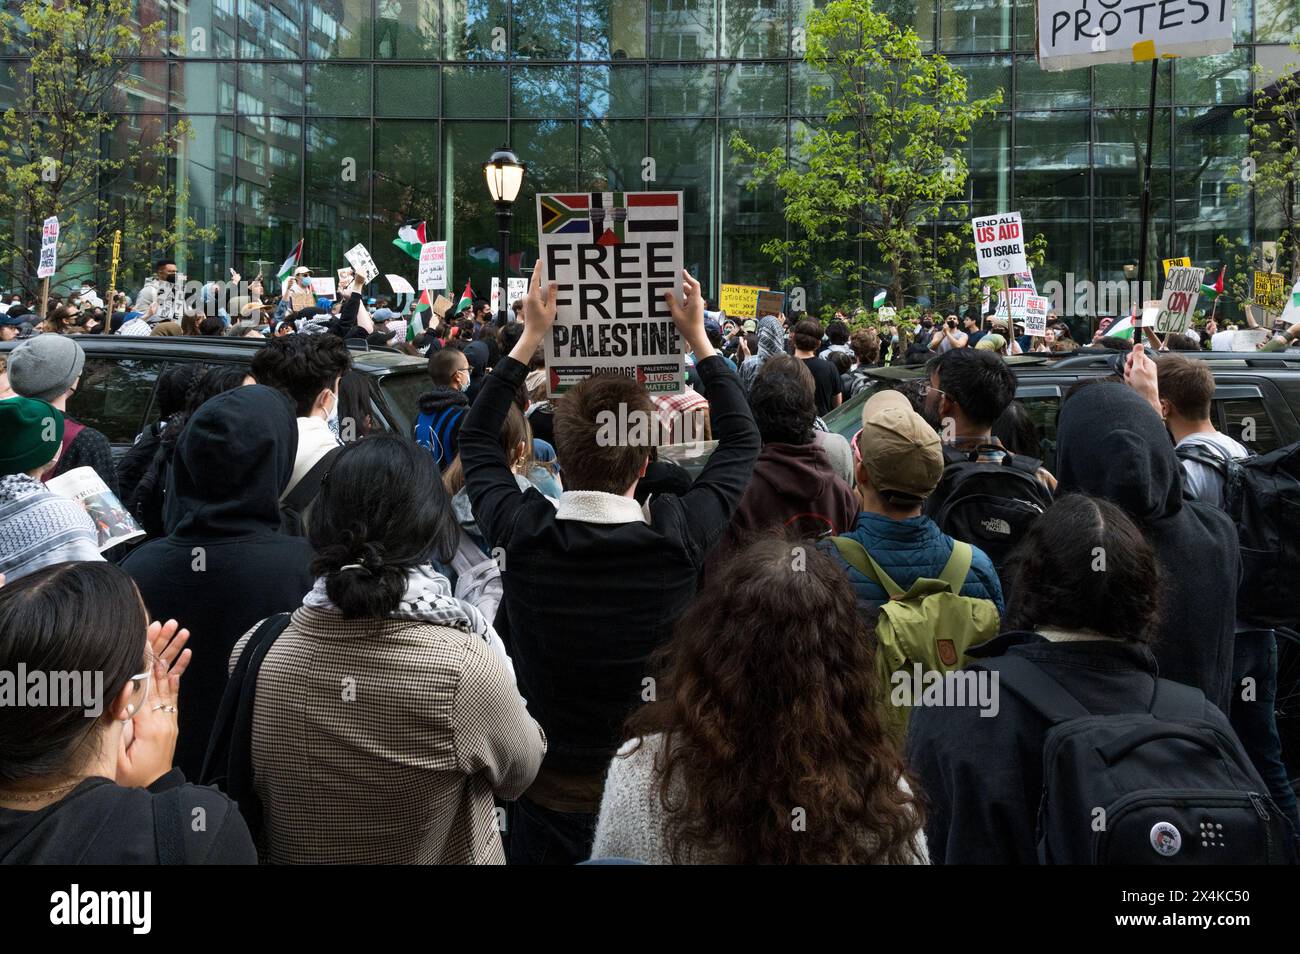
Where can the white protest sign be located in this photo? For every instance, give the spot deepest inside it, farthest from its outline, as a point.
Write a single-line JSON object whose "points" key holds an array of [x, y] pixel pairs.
{"points": [[345, 278], [1182, 291], [613, 255], [323, 287], [433, 266], [516, 288], [1013, 302], [1076, 33], [361, 261], [1026, 278], [49, 247], [999, 244], [400, 285], [1036, 309], [1150, 314], [887, 312]]}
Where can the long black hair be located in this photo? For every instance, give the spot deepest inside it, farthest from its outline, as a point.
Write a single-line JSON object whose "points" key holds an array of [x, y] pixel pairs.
{"points": [[382, 511]]}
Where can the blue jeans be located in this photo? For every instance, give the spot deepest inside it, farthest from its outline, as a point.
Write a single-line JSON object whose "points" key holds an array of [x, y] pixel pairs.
{"points": [[540, 836], [1255, 656]]}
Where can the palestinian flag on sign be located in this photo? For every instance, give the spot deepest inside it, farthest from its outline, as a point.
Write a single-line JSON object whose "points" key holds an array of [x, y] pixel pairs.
{"points": [[409, 238], [466, 299]]}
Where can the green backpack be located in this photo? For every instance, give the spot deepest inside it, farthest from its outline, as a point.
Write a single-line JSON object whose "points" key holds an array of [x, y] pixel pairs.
{"points": [[931, 624]]}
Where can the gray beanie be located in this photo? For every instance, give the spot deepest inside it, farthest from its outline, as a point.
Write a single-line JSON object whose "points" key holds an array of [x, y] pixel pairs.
{"points": [[45, 367]]}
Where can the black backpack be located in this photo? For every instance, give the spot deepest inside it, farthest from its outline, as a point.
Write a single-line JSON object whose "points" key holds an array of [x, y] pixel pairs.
{"points": [[1144, 788], [294, 507], [147, 499], [1262, 496], [228, 762], [986, 504]]}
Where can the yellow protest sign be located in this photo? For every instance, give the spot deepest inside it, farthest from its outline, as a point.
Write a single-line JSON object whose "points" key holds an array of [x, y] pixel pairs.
{"points": [[739, 301], [1270, 291], [1180, 262]]}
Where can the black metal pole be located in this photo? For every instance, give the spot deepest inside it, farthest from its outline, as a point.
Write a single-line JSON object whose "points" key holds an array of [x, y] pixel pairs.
{"points": [[1146, 205], [504, 214]]}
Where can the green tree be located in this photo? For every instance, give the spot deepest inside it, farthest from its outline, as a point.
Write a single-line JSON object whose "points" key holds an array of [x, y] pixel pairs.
{"points": [[881, 166], [1270, 175], [68, 153]]}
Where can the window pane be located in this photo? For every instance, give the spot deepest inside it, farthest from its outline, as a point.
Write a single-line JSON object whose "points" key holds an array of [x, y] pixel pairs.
{"points": [[1206, 80], [543, 30], [474, 91], [1120, 143], [270, 29], [612, 29], [1051, 181], [267, 198], [681, 90], [1128, 84], [753, 89], [338, 190], [974, 26], [749, 218], [1208, 144], [985, 75], [406, 29], [615, 91], [755, 28], [543, 91], [469, 219], [551, 151], [1038, 89], [205, 170], [406, 187], [339, 28], [406, 91], [686, 159], [194, 86], [682, 29], [610, 154], [474, 29], [1277, 21], [114, 394], [336, 90], [203, 28], [988, 159], [269, 89]]}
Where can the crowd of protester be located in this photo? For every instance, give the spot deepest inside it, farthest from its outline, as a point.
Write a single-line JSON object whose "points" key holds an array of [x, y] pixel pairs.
{"points": [[504, 638]]}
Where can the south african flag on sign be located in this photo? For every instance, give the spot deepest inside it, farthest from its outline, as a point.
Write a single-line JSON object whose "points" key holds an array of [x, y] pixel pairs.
{"points": [[565, 214]]}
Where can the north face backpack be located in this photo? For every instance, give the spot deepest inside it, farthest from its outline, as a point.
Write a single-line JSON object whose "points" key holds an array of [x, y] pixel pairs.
{"points": [[990, 505], [1262, 496], [1144, 788], [929, 628]]}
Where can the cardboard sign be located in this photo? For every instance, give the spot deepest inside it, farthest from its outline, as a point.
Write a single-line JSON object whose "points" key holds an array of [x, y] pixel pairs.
{"points": [[1036, 309], [442, 305], [1270, 290], [1182, 292], [1077, 33], [1180, 262], [770, 303], [999, 244], [433, 266], [362, 263], [612, 255], [739, 301], [49, 247]]}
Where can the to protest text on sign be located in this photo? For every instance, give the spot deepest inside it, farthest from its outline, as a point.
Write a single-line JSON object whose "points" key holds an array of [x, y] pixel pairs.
{"points": [[613, 255], [1077, 33], [999, 244]]}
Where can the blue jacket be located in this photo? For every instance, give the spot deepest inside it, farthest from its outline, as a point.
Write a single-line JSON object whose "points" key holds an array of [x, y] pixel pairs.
{"points": [[909, 550]]}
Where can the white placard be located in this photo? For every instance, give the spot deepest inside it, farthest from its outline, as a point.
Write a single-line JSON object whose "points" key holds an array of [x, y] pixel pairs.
{"points": [[1013, 302], [49, 247], [361, 261], [1182, 292], [1077, 33], [999, 244], [1036, 309], [400, 285], [516, 288], [433, 266], [323, 287], [613, 255]]}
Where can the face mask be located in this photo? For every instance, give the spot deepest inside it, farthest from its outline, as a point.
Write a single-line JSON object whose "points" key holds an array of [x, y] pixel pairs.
{"points": [[465, 386], [332, 419]]}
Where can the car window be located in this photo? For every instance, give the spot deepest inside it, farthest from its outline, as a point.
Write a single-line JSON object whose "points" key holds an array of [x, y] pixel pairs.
{"points": [[114, 395], [402, 393], [1246, 419], [1043, 411]]}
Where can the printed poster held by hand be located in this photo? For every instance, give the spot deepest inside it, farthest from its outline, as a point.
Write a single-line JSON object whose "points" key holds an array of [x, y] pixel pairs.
{"points": [[739, 301], [433, 266], [612, 256], [999, 244], [49, 247], [1077, 33], [1182, 292], [362, 263], [1036, 308]]}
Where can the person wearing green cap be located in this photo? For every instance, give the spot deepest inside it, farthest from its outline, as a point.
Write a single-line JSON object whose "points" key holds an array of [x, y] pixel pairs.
{"points": [[38, 528]]}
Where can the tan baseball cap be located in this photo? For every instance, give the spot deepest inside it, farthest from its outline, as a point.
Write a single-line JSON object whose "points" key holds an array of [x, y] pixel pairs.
{"points": [[900, 451]]}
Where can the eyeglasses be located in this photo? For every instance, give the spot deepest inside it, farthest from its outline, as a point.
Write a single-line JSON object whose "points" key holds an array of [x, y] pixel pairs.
{"points": [[925, 390]]}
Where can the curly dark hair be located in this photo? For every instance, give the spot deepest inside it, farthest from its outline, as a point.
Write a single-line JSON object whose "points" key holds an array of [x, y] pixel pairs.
{"points": [[769, 701], [781, 399], [302, 366]]}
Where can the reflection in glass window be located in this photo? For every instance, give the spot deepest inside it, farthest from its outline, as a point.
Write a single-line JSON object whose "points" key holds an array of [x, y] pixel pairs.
{"points": [[1208, 144], [682, 29], [542, 91], [406, 187], [613, 91], [338, 189], [475, 29], [270, 29], [266, 199], [749, 217], [681, 90], [685, 154], [612, 29], [469, 219], [755, 28], [338, 90], [1277, 21], [974, 26], [474, 91], [114, 394], [406, 29], [406, 91], [544, 30], [753, 89], [1213, 79], [610, 154], [202, 28], [338, 28], [550, 148]]}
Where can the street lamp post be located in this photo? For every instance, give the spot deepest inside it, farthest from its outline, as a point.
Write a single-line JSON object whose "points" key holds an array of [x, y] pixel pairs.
{"points": [[505, 174]]}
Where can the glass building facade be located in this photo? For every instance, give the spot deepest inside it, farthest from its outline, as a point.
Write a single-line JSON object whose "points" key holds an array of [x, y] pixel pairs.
{"points": [[337, 120]]}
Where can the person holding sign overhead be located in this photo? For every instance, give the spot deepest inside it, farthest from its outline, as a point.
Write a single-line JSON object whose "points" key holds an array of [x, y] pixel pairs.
{"points": [[597, 583]]}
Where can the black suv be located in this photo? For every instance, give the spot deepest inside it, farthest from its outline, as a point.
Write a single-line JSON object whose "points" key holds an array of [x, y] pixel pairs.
{"points": [[117, 391]]}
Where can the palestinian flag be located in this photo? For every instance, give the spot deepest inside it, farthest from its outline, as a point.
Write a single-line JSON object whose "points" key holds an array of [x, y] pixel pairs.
{"points": [[1120, 329], [425, 301], [286, 270], [1215, 290], [880, 298], [466, 299], [485, 254], [409, 239]]}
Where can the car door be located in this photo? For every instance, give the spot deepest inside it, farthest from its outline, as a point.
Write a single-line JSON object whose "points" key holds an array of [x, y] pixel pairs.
{"points": [[116, 396]]}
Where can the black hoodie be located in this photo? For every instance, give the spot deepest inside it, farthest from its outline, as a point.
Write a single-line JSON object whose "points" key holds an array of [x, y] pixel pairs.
{"points": [[100, 823], [223, 565], [1112, 444]]}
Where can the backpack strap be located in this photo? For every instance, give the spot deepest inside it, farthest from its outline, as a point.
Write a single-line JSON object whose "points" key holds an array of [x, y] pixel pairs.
{"points": [[1217, 461], [958, 566], [169, 840], [1175, 702], [1027, 680], [1026, 465], [305, 491], [856, 556]]}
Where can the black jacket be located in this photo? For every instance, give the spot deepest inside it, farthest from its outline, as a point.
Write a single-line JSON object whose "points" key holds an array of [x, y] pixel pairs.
{"points": [[982, 776], [136, 461], [223, 565], [101, 823], [1113, 445], [585, 603], [91, 449]]}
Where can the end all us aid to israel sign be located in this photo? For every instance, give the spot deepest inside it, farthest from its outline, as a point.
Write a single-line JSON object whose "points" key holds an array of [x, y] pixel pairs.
{"points": [[999, 244], [1077, 33], [613, 255]]}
